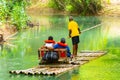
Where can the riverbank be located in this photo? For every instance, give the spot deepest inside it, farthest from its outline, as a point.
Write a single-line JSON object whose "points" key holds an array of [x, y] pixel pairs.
{"points": [[45, 11], [6, 30], [109, 9]]}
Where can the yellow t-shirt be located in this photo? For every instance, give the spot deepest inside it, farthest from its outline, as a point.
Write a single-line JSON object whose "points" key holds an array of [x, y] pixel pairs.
{"points": [[73, 26]]}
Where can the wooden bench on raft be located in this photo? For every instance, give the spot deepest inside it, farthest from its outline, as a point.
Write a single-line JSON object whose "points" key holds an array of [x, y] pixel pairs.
{"points": [[61, 52]]}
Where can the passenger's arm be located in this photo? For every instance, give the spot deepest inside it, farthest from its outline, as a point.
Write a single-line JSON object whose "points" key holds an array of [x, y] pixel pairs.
{"points": [[50, 48]]}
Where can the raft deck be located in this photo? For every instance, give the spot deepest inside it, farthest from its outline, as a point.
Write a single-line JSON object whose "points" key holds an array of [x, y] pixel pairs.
{"points": [[55, 69]]}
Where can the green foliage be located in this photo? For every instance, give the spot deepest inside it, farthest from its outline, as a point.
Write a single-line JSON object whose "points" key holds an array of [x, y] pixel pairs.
{"points": [[13, 11], [57, 5], [83, 7], [69, 8]]}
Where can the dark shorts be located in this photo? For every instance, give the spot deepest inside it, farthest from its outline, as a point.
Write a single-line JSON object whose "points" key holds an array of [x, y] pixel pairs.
{"points": [[75, 40]]}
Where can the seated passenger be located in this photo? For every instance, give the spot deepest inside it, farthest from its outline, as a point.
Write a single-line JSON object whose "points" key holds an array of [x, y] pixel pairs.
{"points": [[49, 43], [52, 56], [62, 44]]}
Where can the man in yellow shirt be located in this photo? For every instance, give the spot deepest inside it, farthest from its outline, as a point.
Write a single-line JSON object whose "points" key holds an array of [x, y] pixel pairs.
{"points": [[74, 32]]}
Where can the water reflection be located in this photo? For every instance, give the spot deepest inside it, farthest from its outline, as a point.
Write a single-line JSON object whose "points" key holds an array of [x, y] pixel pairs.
{"points": [[111, 27], [1, 47], [28, 41], [111, 32]]}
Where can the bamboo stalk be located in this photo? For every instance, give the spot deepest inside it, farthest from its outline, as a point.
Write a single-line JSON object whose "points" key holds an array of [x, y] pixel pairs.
{"points": [[90, 54], [56, 66], [85, 58], [55, 69], [17, 72], [91, 28], [12, 71]]}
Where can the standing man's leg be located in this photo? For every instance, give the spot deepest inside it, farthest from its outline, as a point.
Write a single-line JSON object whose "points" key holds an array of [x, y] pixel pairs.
{"points": [[75, 49], [75, 41]]}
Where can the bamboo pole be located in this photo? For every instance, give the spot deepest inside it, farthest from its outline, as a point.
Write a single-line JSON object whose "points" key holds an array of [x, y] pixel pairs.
{"points": [[91, 28]]}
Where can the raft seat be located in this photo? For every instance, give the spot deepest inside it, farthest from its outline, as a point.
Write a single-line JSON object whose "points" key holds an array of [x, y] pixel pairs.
{"points": [[62, 53]]}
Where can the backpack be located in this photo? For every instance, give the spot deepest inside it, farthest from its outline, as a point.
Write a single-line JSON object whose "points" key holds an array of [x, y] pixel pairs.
{"points": [[51, 56]]}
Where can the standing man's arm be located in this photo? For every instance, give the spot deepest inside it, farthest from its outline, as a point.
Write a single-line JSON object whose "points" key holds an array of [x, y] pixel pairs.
{"points": [[70, 33], [79, 30]]}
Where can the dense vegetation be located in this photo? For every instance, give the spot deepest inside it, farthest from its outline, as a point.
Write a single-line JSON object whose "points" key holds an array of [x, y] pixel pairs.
{"points": [[13, 12], [83, 7]]}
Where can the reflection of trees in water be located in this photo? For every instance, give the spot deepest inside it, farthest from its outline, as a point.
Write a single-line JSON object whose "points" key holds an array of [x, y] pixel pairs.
{"points": [[6, 42], [87, 22], [1, 38], [1, 47], [1, 42], [68, 75], [6, 46]]}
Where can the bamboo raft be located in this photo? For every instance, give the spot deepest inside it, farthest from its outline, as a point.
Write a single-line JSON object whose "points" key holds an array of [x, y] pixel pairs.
{"points": [[55, 69]]}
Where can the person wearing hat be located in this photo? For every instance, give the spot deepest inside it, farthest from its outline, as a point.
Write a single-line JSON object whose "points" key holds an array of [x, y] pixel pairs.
{"points": [[62, 44], [74, 32]]}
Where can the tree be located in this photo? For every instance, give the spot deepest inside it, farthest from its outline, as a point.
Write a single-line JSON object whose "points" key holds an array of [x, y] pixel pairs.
{"points": [[13, 12]]}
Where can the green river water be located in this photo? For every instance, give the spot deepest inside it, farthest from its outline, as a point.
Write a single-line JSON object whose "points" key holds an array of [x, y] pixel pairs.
{"points": [[21, 53]]}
